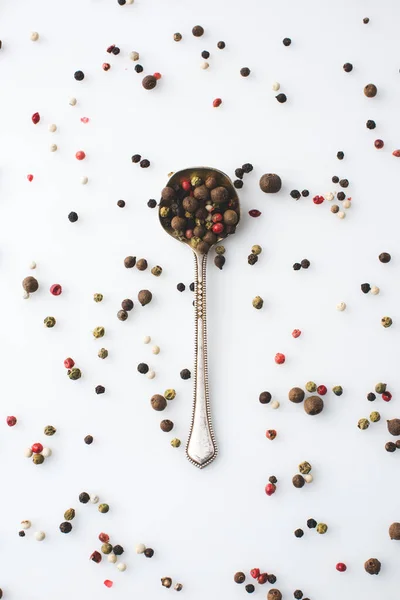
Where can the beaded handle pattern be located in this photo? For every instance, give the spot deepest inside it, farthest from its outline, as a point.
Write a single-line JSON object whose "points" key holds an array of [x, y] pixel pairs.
{"points": [[201, 447]]}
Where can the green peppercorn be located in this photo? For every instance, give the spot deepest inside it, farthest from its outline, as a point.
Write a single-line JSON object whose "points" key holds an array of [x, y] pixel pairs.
{"points": [[169, 394], [106, 548], [98, 332], [380, 388], [258, 302], [103, 508], [49, 430], [386, 322], [175, 443], [256, 249], [311, 387], [363, 424], [322, 528], [220, 249], [74, 373], [164, 211], [102, 353], [375, 417], [69, 514], [337, 390], [157, 270], [98, 297], [305, 468], [38, 459], [50, 322]]}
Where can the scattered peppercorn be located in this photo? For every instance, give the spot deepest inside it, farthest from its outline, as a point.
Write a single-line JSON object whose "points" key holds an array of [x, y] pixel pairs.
{"points": [[249, 588], [337, 390], [99, 389], [166, 425], [298, 594], [103, 508], [313, 405], [181, 287], [305, 468], [141, 264], [69, 514], [198, 31], [305, 263], [245, 72], [335, 179], [74, 373], [265, 398], [88, 439], [178, 587], [145, 297], [295, 194], [258, 302], [252, 259], [372, 566], [219, 261], [385, 257], [390, 447], [347, 67], [221, 45], [379, 144], [394, 426], [394, 531], [122, 315], [84, 497], [370, 124], [30, 284], [21, 534], [322, 528], [365, 288], [296, 266], [158, 402], [274, 594], [79, 75], [375, 417], [185, 374], [96, 556], [49, 322], [238, 184], [311, 523], [149, 82], [49, 430], [149, 552], [145, 163], [340, 155], [385, 321], [65, 527], [73, 217], [296, 395], [299, 533], [298, 481], [281, 98], [370, 90], [102, 353]]}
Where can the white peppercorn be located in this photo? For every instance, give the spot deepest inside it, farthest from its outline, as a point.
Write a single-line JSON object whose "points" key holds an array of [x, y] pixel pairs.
{"points": [[34, 36]]}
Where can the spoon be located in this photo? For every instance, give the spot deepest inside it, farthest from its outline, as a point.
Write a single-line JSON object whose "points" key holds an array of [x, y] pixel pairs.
{"points": [[199, 207]]}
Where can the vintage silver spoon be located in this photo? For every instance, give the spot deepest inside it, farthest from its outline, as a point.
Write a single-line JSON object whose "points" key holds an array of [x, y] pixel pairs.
{"points": [[201, 447]]}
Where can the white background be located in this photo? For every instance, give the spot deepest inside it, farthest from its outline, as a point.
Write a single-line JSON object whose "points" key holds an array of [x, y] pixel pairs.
{"points": [[203, 525]]}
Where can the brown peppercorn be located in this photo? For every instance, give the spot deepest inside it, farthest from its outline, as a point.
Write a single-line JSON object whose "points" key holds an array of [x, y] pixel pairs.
{"points": [[239, 577], [203, 247], [168, 194], [166, 582], [149, 552], [230, 217], [296, 395], [199, 231], [270, 183], [219, 261], [178, 223], [211, 182], [210, 237], [334, 208], [219, 194], [30, 285], [190, 204], [370, 90], [372, 566], [122, 315], [197, 31], [390, 447], [127, 304], [145, 297], [313, 405], [265, 398], [149, 82], [177, 37], [156, 271], [130, 261], [394, 531], [158, 402], [274, 594], [141, 264], [385, 257], [344, 183], [201, 193], [298, 481], [178, 587], [394, 426], [166, 425], [202, 214]]}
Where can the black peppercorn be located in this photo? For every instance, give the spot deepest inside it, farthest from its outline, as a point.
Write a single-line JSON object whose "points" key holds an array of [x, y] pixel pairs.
{"points": [[84, 497], [295, 194], [219, 261], [365, 20], [192, 286], [298, 481], [249, 588], [73, 217], [121, 2], [245, 72], [390, 447], [247, 167], [79, 75], [136, 158], [205, 54], [65, 527], [385, 257], [340, 196], [181, 287], [365, 288], [335, 179], [221, 45], [347, 67], [166, 425], [118, 550], [144, 163], [340, 155], [305, 263], [265, 398], [99, 389], [311, 523], [281, 98], [238, 183], [143, 368], [115, 50], [185, 374], [299, 533], [122, 315], [149, 82], [252, 259], [21, 534], [305, 193], [371, 397], [297, 266], [138, 68], [88, 439], [239, 173], [286, 41], [149, 552], [239, 577], [152, 203], [197, 31], [344, 183], [121, 203], [298, 594], [370, 124], [271, 578], [272, 479]]}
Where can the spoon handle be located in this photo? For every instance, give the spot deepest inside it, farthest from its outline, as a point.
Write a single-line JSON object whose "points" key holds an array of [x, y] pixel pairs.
{"points": [[201, 448]]}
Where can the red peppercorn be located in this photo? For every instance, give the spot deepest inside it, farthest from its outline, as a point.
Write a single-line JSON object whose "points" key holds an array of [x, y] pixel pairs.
{"points": [[318, 199], [95, 556], [341, 567], [80, 155], [108, 583], [29, 177], [11, 421], [280, 358], [217, 228], [106, 66], [157, 75], [104, 538], [189, 234], [217, 217], [255, 573], [386, 396], [296, 333], [110, 48], [56, 289], [379, 144], [186, 185], [217, 102], [270, 489], [262, 578], [69, 363], [254, 212], [396, 153], [35, 118], [271, 434], [37, 448], [321, 389]]}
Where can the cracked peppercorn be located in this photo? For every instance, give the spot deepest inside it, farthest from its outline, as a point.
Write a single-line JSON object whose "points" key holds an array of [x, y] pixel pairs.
{"points": [[185, 374], [299, 533], [84, 497]]}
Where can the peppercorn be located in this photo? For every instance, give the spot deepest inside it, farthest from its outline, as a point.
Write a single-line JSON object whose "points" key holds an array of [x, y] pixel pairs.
{"points": [[192, 287], [384, 257], [337, 390], [380, 388], [219, 261], [149, 82], [298, 594], [106, 548], [394, 426], [390, 447], [295, 194], [145, 163], [311, 523], [370, 124], [274, 594], [126, 305], [96, 556], [149, 552], [103, 508], [247, 167], [38, 459], [370, 90], [21, 534], [298, 481], [69, 514], [221, 45], [363, 424], [334, 208], [65, 527], [197, 31], [185, 374], [238, 184], [299, 533], [79, 75], [88, 439], [73, 217], [365, 288], [118, 550], [178, 587], [372, 566], [136, 158], [385, 321], [177, 37], [335, 179], [141, 264], [122, 315], [102, 353], [305, 468], [375, 417], [340, 196], [245, 72], [371, 397], [347, 67], [340, 155], [99, 389], [281, 98], [166, 582], [258, 302], [49, 322], [121, 203], [30, 284], [252, 259], [249, 588], [143, 368], [296, 266], [181, 287], [158, 402], [239, 577], [313, 405], [145, 297], [305, 263], [394, 531], [265, 398], [138, 69], [296, 395], [271, 578], [322, 528], [151, 203], [157, 270], [166, 425], [84, 497], [49, 430], [175, 443]]}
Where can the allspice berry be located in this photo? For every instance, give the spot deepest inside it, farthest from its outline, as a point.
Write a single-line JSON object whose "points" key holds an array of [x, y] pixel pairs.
{"points": [[384, 257], [274, 594], [219, 261], [372, 566], [296, 395], [219, 195], [197, 31], [230, 217], [239, 577], [141, 264], [394, 531], [130, 262], [30, 285], [211, 182], [168, 194], [145, 297], [270, 183], [158, 402], [298, 481], [127, 304], [265, 398], [394, 426], [166, 425], [313, 405], [149, 82], [370, 90], [122, 315]]}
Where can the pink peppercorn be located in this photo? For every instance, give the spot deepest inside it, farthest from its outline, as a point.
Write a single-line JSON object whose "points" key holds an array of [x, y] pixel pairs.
{"points": [[341, 567], [157, 75], [56, 289], [69, 363], [106, 66], [29, 177], [217, 228], [255, 573], [270, 489], [396, 153], [108, 583], [217, 217], [96, 556], [262, 578], [296, 333], [104, 537], [321, 389], [280, 358], [318, 199], [217, 102], [270, 434], [186, 185], [254, 212], [37, 448], [189, 234], [35, 118], [379, 144], [80, 155], [386, 396], [11, 421]]}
